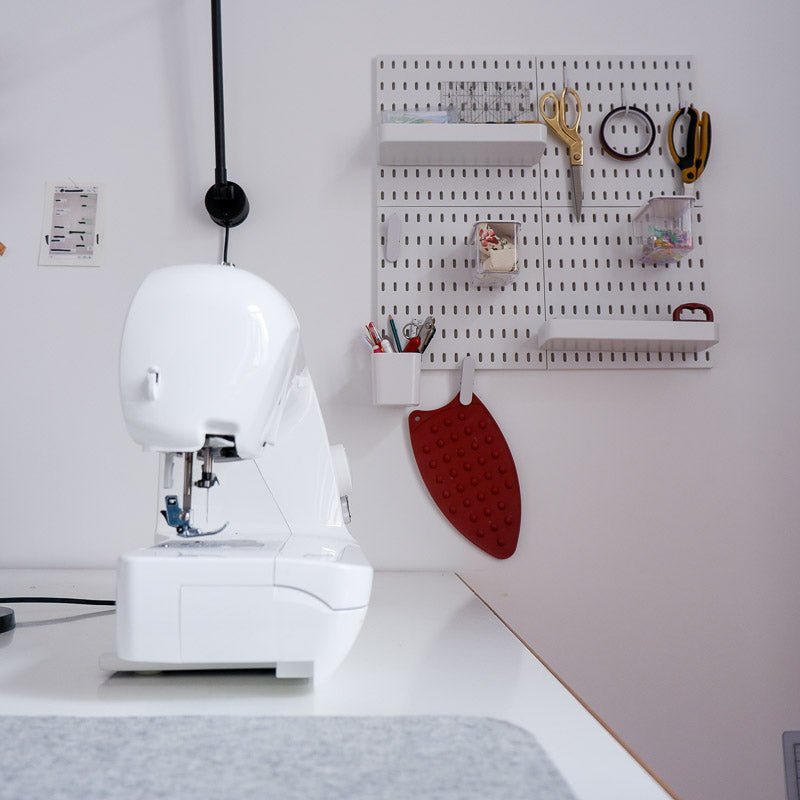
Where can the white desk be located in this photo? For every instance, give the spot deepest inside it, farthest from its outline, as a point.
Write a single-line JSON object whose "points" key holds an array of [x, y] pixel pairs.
{"points": [[429, 646]]}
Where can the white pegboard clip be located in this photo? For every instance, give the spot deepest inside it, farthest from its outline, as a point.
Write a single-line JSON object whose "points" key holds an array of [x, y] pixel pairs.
{"points": [[467, 380], [392, 240]]}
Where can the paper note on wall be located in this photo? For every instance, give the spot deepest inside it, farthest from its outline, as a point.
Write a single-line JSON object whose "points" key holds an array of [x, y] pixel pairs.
{"points": [[71, 229]]}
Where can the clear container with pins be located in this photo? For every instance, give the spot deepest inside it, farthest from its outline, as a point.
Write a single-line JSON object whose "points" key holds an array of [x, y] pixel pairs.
{"points": [[495, 257], [662, 229]]}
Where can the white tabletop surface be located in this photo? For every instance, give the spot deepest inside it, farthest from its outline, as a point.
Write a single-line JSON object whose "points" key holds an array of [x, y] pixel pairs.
{"points": [[429, 646]]}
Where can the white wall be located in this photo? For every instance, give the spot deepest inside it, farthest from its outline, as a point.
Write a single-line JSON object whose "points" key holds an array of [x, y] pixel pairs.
{"points": [[657, 569]]}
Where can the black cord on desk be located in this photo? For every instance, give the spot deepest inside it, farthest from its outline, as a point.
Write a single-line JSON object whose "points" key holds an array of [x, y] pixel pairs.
{"points": [[76, 600], [8, 621]]}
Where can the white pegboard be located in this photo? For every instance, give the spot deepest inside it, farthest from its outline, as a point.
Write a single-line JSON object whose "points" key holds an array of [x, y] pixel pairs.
{"points": [[569, 269], [417, 83], [591, 273], [652, 83], [432, 275], [458, 186]]}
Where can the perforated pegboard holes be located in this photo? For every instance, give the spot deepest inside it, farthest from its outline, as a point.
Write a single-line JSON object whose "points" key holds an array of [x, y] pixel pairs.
{"points": [[467, 467], [656, 84], [457, 186], [433, 276], [625, 360], [592, 270], [593, 275]]}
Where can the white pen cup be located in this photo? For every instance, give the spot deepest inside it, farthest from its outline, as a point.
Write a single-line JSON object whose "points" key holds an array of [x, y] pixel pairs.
{"points": [[395, 379]]}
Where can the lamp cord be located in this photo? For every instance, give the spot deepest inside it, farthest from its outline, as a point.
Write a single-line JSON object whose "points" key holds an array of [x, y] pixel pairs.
{"points": [[225, 246]]}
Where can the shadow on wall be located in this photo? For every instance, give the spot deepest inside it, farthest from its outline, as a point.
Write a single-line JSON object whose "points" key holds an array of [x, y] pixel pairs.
{"points": [[180, 67]]}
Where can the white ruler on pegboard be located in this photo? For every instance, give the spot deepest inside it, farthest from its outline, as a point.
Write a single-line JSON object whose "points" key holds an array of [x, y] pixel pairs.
{"points": [[569, 269]]}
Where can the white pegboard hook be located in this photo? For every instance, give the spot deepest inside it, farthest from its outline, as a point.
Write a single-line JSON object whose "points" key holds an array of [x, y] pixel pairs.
{"points": [[680, 96], [467, 380], [623, 100], [564, 74]]}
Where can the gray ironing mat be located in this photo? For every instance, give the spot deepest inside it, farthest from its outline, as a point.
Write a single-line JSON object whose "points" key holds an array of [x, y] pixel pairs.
{"points": [[260, 758], [791, 758]]}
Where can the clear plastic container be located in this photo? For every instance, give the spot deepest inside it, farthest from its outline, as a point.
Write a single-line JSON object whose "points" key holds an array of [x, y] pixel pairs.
{"points": [[662, 229], [496, 258]]}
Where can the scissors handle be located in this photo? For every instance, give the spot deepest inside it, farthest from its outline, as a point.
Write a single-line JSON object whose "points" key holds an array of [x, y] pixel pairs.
{"points": [[558, 119], [698, 143], [411, 329], [412, 345], [549, 97], [578, 108], [558, 123]]}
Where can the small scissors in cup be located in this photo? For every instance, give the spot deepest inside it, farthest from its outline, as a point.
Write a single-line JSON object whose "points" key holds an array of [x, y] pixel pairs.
{"points": [[411, 329]]}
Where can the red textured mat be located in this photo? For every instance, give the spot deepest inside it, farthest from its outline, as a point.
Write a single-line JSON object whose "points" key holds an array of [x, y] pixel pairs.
{"points": [[468, 469]]}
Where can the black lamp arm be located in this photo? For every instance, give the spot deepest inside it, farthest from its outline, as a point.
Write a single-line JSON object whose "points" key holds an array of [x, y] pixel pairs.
{"points": [[226, 201], [220, 174]]}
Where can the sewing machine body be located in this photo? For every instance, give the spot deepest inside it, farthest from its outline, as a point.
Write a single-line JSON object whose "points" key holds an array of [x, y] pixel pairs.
{"points": [[211, 365]]}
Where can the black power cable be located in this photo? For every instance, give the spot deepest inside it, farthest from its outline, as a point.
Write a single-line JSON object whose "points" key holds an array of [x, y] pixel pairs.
{"points": [[8, 622], [76, 600]]}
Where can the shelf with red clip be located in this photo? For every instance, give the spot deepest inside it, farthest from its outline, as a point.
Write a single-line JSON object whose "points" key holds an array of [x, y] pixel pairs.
{"points": [[682, 334]]}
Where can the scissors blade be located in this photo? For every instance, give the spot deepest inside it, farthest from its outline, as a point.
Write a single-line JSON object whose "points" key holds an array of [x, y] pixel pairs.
{"points": [[577, 190]]}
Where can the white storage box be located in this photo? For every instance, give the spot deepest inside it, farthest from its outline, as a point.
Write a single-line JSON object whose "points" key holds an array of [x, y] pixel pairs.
{"points": [[395, 379]]}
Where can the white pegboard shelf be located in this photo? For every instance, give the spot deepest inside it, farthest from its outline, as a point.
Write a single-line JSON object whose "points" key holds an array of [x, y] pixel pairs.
{"points": [[623, 335], [461, 144]]}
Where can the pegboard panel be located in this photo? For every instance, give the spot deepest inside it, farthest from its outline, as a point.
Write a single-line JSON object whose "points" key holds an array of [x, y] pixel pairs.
{"points": [[591, 272], [582, 269], [425, 83], [654, 84], [417, 82], [458, 186], [497, 326]]}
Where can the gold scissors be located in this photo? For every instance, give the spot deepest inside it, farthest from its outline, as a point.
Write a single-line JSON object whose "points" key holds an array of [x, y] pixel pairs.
{"points": [[556, 120]]}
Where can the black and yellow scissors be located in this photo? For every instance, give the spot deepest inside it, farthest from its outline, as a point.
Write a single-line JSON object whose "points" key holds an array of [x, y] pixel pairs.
{"points": [[698, 143], [556, 118]]}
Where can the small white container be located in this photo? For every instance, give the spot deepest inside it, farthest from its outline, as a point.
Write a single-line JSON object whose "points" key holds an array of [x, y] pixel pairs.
{"points": [[662, 229], [395, 379], [495, 258]]}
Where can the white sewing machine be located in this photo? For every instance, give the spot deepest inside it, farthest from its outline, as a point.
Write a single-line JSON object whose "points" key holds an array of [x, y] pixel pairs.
{"points": [[257, 568]]}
